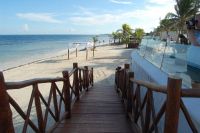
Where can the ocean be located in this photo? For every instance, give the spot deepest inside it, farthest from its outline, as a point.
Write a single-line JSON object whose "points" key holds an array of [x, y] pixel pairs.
{"points": [[17, 50]]}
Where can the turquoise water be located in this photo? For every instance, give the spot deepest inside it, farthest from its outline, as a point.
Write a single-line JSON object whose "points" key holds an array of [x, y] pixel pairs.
{"points": [[21, 49]]}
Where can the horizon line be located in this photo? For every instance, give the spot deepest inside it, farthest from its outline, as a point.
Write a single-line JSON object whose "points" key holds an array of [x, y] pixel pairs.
{"points": [[54, 34]]}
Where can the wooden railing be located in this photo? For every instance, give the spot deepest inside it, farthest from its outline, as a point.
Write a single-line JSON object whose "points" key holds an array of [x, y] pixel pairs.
{"points": [[73, 83], [138, 97]]}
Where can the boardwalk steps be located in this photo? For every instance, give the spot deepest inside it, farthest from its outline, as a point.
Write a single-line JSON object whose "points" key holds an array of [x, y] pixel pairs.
{"points": [[97, 108]]}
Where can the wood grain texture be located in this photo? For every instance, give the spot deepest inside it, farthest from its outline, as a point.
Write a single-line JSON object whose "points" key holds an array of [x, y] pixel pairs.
{"points": [[99, 110]]}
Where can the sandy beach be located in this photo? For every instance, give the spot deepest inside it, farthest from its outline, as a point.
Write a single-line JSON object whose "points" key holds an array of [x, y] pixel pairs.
{"points": [[106, 59]]}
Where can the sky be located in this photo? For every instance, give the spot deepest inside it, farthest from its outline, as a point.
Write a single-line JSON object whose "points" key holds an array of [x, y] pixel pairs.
{"points": [[80, 16]]}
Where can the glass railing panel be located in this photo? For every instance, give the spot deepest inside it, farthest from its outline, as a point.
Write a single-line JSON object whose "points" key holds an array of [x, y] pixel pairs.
{"points": [[142, 46], [167, 56], [175, 61], [154, 52]]}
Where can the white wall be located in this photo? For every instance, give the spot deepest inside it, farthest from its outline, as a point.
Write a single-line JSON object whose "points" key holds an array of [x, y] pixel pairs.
{"points": [[144, 70], [173, 35]]}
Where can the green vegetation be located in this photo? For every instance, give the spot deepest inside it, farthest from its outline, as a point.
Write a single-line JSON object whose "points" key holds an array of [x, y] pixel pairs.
{"points": [[185, 9], [125, 33], [139, 33], [114, 35]]}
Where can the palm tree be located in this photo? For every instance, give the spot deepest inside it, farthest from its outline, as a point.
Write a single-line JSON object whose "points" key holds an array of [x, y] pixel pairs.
{"points": [[139, 32], [185, 9], [119, 35], [126, 29], [114, 35], [166, 25]]}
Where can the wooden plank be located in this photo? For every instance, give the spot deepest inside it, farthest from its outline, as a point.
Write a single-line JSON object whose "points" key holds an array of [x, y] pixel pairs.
{"points": [[6, 123], [96, 118], [99, 110], [172, 104], [92, 128]]}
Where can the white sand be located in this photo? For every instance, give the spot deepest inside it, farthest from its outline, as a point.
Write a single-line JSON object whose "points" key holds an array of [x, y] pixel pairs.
{"points": [[106, 59]]}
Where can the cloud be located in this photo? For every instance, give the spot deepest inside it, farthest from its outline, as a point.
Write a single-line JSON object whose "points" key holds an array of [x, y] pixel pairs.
{"points": [[25, 27], [39, 17], [147, 17], [94, 19], [121, 2], [70, 30], [162, 2]]}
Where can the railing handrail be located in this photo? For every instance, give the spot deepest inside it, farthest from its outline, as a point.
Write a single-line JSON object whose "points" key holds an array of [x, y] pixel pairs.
{"points": [[150, 85], [72, 71], [142, 106], [26, 83], [29, 82], [67, 94], [192, 93]]}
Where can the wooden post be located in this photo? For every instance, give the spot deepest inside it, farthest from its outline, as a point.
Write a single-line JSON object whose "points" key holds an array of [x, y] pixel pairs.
{"points": [[92, 76], [39, 109], [84, 80], [76, 52], [93, 51], [116, 76], [86, 77], [6, 123], [80, 80], [75, 66], [86, 54], [117, 80], [68, 54], [148, 112], [55, 101], [67, 94], [126, 66], [121, 80], [124, 91], [129, 91], [172, 104]]}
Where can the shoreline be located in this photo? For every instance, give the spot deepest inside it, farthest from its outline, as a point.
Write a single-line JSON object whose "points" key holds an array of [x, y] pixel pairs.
{"points": [[56, 63], [58, 54], [107, 58], [20, 50]]}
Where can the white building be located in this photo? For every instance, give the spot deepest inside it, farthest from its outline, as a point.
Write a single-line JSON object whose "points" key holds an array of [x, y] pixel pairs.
{"points": [[173, 35]]}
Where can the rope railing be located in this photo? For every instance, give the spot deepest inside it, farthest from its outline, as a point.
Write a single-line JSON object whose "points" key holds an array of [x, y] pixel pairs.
{"points": [[73, 83], [138, 96]]}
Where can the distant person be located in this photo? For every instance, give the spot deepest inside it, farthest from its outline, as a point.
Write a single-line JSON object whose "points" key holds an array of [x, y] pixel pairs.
{"points": [[193, 27], [183, 39]]}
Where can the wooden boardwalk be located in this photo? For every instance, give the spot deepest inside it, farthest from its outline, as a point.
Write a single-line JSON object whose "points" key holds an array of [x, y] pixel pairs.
{"points": [[99, 110]]}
